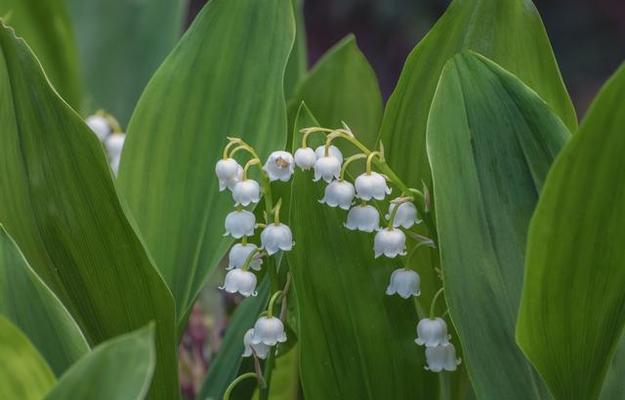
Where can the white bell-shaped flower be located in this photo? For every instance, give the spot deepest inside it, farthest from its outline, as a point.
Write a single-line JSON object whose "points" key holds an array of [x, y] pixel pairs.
{"points": [[239, 254], [333, 151], [441, 358], [305, 158], [327, 168], [432, 332], [260, 349], [406, 214], [229, 172], [276, 237], [389, 241], [279, 166], [240, 223], [246, 192], [405, 282], [363, 218], [100, 126], [240, 281], [114, 144], [339, 193], [269, 331], [371, 186]]}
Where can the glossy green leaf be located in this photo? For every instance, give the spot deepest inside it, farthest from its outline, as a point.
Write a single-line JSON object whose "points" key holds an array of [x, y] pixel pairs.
{"points": [[28, 303], [120, 44], [225, 366], [285, 378], [24, 374], [118, 369], [58, 201], [355, 341], [297, 65], [225, 78], [342, 87], [508, 32], [491, 141], [573, 305], [613, 386], [46, 27]]}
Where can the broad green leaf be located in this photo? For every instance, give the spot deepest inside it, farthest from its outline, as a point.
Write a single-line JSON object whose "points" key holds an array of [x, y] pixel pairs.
{"points": [[225, 78], [490, 141], [285, 379], [355, 341], [297, 65], [118, 369], [342, 87], [46, 27], [573, 305], [120, 44], [58, 201], [509, 32], [28, 303], [225, 366], [24, 374]]}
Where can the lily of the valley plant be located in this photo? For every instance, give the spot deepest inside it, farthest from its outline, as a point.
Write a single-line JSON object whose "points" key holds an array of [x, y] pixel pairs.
{"points": [[361, 248]]}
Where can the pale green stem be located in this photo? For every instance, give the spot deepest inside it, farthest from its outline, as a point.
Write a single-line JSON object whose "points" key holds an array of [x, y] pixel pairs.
{"points": [[235, 382], [348, 161], [433, 305]]}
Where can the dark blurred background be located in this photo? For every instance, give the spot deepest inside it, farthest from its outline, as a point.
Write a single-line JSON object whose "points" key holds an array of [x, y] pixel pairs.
{"points": [[588, 36]]}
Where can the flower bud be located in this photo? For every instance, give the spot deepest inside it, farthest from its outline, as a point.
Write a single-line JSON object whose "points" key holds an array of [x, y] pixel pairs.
{"points": [[405, 216], [239, 254], [276, 237], [333, 151], [339, 193], [246, 192], [100, 126], [389, 241], [243, 282], [305, 158], [229, 172], [405, 282], [432, 332], [260, 349], [363, 218], [441, 358], [279, 166], [371, 186], [328, 168], [240, 223], [114, 144], [269, 331]]}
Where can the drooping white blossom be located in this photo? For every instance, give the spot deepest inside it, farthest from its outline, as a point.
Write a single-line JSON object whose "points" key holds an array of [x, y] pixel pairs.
{"points": [[114, 144], [405, 282], [363, 218], [389, 241], [327, 168], [260, 349], [100, 126], [276, 237], [240, 281], [239, 254], [279, 166], [246, 192], [371, 186], [269, 331], [405, 216], [305, 158], [333, 151], [432, 332], [229, 172], [339, 193], [240, 223], [441, 358]]}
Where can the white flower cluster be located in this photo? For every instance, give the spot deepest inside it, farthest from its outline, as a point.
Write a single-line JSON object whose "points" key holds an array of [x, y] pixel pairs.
{"points": [[368, 190], [241, 223], [107, 131], [268, 331], [440, 354]]}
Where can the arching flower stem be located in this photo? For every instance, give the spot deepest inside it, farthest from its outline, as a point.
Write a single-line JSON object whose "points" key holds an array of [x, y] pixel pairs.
{"points": [[240, 378], [434, 299]]}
